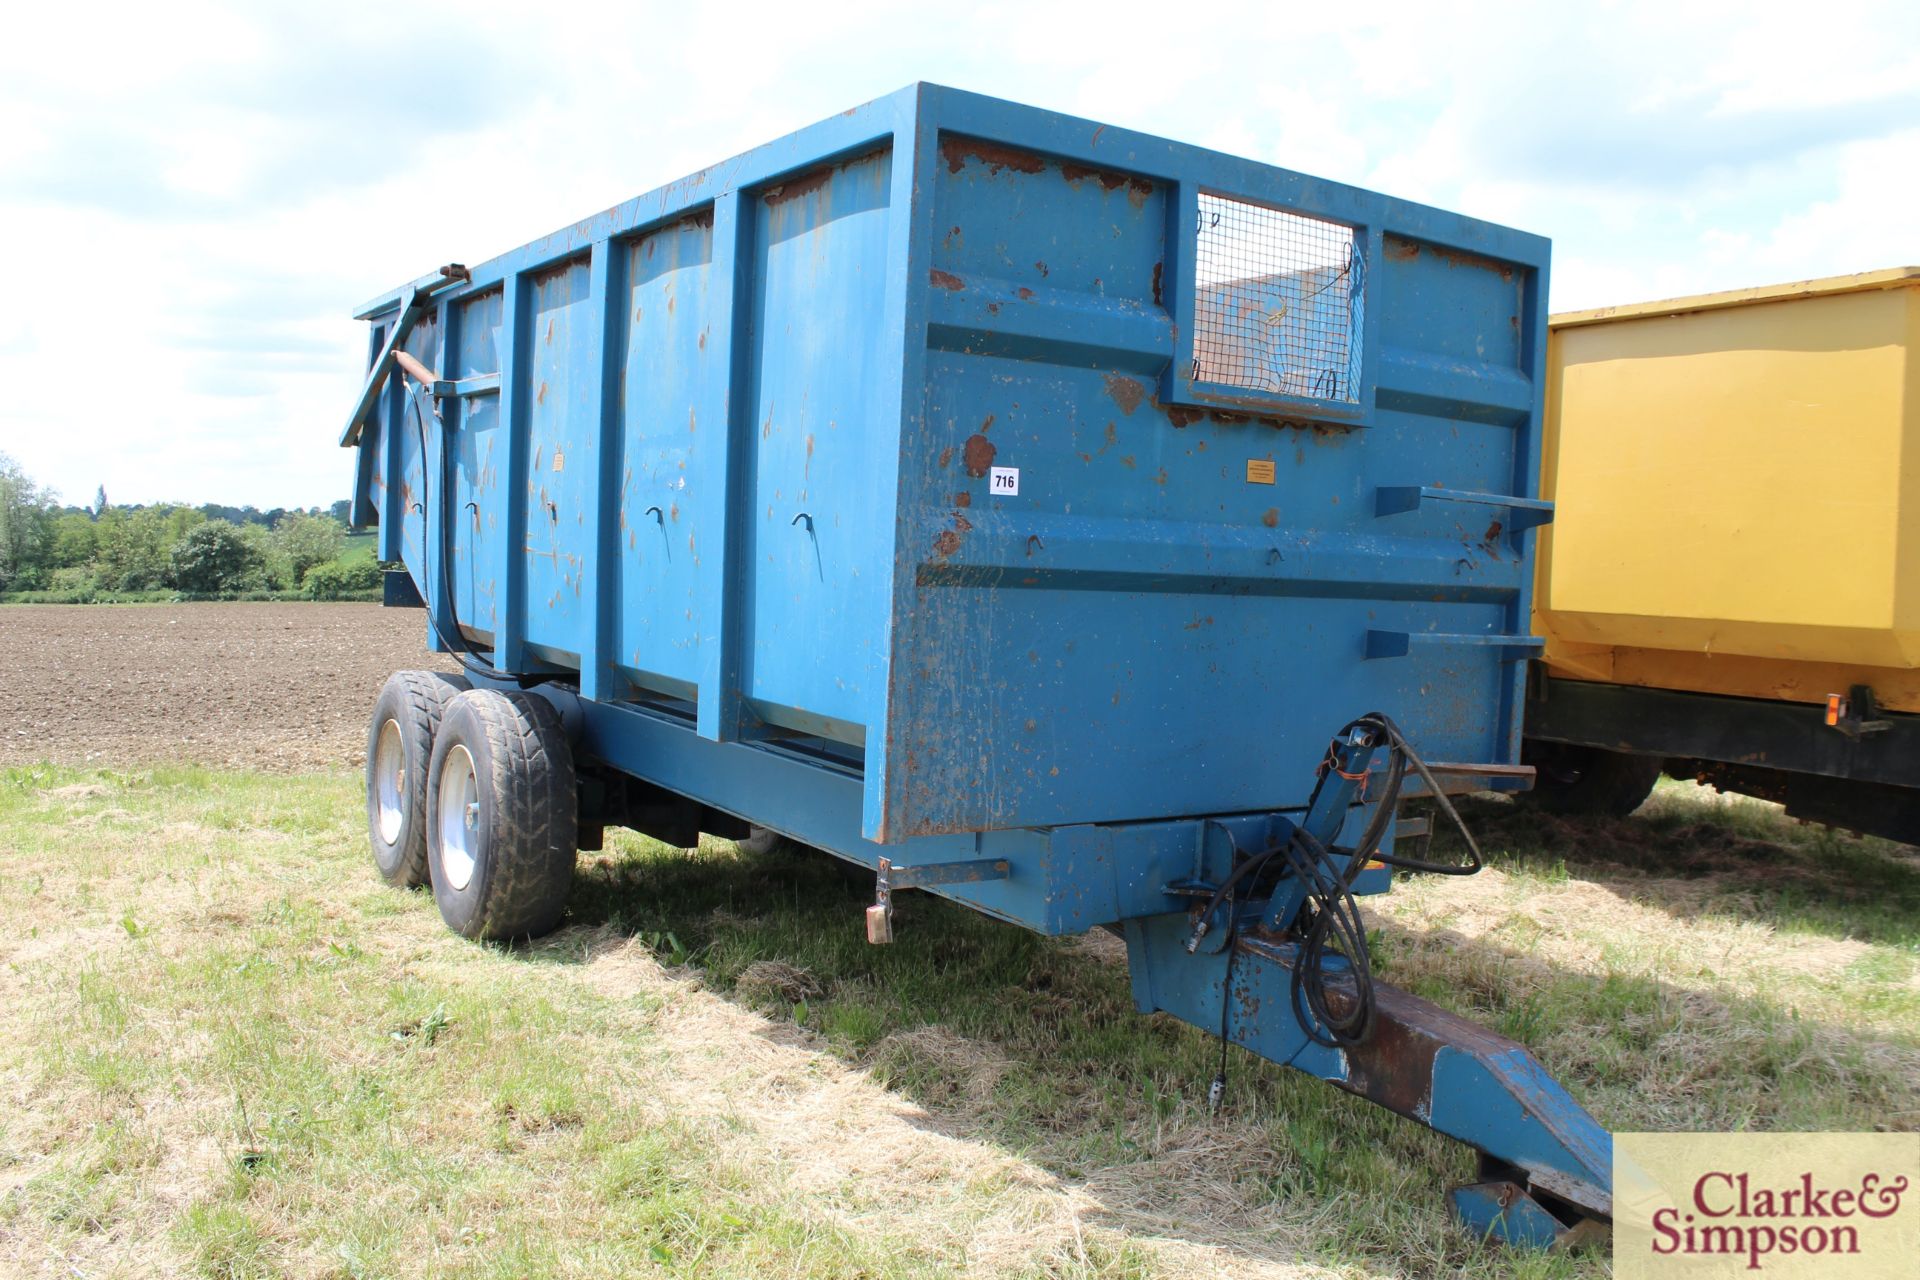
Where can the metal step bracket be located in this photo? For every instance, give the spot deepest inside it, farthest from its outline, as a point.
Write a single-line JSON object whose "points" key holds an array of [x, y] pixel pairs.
{"points": [[1522, 513], [1402, 644]]}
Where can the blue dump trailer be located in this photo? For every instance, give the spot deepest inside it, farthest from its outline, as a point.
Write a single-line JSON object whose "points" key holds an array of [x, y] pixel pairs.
{"points": [[1087, 528]]}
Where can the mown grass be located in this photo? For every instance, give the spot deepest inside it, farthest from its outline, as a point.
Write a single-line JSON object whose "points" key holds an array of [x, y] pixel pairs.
{"points": [[237, 1058], [228, 1052]]}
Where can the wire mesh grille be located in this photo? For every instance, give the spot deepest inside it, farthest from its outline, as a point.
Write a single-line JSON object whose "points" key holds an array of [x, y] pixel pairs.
{"points": [[1277, 302]]}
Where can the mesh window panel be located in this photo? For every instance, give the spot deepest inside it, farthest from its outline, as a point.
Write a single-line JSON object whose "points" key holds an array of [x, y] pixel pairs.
{"points": [[1277, 301]]}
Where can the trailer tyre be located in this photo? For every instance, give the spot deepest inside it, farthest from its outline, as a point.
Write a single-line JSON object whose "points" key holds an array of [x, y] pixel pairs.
{"points": [[505, 816], [760, 842], [1579, 781], [406, 716]]}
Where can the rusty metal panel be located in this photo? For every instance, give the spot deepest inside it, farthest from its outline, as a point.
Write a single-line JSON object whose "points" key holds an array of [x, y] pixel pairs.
{"points": [[1140, 576], [671, 502], [476, 548], [816, 511], [563, 441]]}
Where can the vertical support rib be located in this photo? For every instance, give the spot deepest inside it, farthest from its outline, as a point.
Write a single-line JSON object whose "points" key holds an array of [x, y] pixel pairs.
{"points": [[1528, 442], [1176, 281], [600, 360], [725, 400], [392, 507], [436, 487], [886, 804], [509, 650], [363, 512], [1372, 285]]}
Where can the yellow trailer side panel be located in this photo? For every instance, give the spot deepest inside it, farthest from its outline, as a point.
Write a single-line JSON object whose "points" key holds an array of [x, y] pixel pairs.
{"points": [[1737, 490]]}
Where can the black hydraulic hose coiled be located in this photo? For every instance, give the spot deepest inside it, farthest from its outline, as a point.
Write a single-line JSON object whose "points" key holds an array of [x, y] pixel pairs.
{"points": [[1330, 923]]}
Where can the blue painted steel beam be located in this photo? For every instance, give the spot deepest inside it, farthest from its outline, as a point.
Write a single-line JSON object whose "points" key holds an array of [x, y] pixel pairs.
{"points": [[1475, 390], [987, 316], [914, 134], [1421, 1062], [1106, 553], [1063, 880], [721, 597], [600, 405], [390, 539]]}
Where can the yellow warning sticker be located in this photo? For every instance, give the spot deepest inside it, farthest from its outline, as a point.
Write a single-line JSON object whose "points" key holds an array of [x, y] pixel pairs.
{"points": [[1259, 470]]}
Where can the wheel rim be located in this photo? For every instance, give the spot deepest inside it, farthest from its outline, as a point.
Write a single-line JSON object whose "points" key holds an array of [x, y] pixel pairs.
{"points": [[458, 818], [390, 781]]}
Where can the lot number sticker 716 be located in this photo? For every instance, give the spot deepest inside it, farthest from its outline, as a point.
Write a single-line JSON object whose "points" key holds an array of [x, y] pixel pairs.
{"points": [[1004, 482]]}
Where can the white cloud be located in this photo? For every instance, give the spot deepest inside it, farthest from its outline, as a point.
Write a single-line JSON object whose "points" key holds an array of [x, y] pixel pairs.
{"points": [[193, 197], [1868, 222]]}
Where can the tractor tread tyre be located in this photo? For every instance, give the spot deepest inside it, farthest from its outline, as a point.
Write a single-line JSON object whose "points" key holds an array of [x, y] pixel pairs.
{"points": [[527, 831], [415, 701], [1602, 783]]}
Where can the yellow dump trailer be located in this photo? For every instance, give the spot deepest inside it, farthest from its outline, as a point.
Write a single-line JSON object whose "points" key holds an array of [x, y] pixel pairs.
{"points": [[1731, 582]]}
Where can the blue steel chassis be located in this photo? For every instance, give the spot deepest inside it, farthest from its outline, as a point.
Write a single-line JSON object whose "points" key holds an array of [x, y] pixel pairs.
{"points": [[1545, 1163]]}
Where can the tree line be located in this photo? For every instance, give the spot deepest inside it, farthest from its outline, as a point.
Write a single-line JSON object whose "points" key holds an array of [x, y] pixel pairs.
{"points": [[210, 550]]}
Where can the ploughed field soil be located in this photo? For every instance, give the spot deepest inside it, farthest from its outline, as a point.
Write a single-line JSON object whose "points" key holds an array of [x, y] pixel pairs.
{"points": [[286, 687]]}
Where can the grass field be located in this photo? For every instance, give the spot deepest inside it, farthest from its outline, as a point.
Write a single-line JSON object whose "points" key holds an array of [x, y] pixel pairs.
{"points": [[225, 1050]]}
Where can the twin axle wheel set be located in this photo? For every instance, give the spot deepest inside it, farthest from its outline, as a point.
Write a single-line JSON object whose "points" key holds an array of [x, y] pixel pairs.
{"points": [[473, 792]]}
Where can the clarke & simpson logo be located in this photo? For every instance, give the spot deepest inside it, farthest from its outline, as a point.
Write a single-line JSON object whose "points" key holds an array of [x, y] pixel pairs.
{"points": [[1728, 1216], [1783, 1205]]}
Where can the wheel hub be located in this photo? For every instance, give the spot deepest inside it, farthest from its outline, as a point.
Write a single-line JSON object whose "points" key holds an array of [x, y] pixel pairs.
{"points": [[390, 781], [458, 819]]}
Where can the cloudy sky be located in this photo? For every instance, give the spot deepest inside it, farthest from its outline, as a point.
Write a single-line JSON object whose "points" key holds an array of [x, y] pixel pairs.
{"points": [[194, 196]]}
